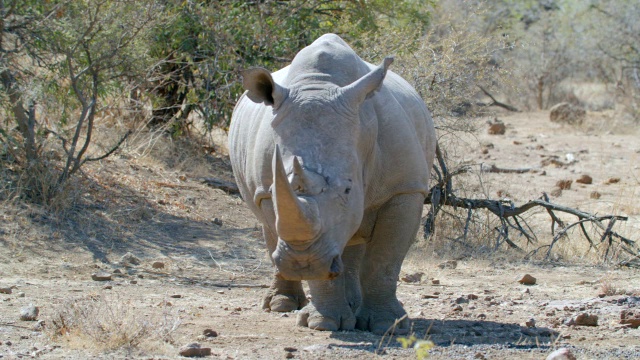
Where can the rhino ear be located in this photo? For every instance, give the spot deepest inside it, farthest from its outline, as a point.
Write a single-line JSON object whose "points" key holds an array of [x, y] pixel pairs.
{"points": [[366, 86], [261, 87]]}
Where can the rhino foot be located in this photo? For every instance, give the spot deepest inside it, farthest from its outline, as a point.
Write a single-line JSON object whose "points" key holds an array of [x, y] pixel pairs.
{"points": [[284, 296], [382, 320], [328, 319]]}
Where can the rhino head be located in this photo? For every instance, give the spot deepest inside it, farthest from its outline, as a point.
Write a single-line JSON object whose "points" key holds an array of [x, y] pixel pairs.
{"points": [[317, 189]]}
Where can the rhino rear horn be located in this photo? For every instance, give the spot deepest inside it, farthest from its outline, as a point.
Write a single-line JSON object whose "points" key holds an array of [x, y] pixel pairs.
{"points": [[366, 86], [297, 219], [261, 88]]}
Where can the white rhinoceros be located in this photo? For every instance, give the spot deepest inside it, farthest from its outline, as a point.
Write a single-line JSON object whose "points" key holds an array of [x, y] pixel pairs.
{"points": [[333, 156]]}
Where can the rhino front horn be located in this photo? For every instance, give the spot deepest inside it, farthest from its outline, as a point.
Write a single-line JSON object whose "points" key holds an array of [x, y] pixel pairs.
{"points": [[297, 219]]}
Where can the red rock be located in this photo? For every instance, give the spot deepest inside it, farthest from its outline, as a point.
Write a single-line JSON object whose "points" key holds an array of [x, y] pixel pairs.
{"points": [[527, 280], [585, 179], [630, 319], [586, 319]]}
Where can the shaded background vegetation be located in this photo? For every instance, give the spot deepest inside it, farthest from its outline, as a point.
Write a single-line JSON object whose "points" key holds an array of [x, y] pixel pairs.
{"points": [[175, 65]]}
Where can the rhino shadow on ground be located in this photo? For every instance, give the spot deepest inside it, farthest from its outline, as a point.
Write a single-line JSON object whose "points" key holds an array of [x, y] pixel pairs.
{"points": [[454, 332]]}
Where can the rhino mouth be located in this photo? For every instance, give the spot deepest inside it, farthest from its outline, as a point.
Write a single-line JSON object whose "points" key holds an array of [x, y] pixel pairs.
{"points": [[306, 265]]}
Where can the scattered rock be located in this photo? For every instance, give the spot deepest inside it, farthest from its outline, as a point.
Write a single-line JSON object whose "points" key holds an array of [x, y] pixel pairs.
{"points": [[497, 128], [21, 294], [531, 323], [435, 281], [479, 356], [29, 313], [449, 264], [39, 326], [472, 297], [290, 349], [595, 195], [561, 354], [585, 179], [567, 113], [157, 265], [7, 290], [630, 319], [129, 259], [101, 276], [564, 184], [412, 278], [117, 272], [461, 300], [289, 355], [210, 333], [556, 192], [613, 180], [217, 221], [527, 280], [426, 296], [586, 319], [194, 350], [176, 296], [107, 287], [457, 308]]}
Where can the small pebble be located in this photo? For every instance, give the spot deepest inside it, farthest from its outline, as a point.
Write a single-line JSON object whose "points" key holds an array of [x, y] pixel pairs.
{"points": [[101, 276], [194, 350], [29, 313], [527, 280]]}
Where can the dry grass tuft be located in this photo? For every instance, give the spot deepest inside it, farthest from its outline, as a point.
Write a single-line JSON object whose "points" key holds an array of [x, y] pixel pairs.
{"points": [[607, 288], [107, 323]]}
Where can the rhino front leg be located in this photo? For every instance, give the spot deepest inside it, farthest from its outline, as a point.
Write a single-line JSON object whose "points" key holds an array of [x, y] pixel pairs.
{"points": [[284, 296], [395, 229], [352, 259], [329, 309]]}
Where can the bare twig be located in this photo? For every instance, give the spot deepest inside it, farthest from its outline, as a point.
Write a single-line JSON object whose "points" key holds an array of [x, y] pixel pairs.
{"points": [[495, 169], [112, 149], [498, 103]]}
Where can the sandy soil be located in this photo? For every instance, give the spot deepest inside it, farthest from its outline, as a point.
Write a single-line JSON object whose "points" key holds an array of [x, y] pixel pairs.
{"points": [[211, 269]]}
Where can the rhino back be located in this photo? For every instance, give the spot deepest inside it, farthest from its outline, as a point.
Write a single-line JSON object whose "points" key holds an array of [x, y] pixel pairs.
{"points": [[405, 142]]}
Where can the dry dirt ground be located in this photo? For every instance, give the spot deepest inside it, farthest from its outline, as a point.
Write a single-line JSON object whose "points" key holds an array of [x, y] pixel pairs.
{"points": [[211, 268]]}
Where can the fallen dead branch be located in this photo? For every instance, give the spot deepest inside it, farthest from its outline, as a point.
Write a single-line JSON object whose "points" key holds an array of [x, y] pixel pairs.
{"points": [[510, 217], [226, 186], [495, 169]]}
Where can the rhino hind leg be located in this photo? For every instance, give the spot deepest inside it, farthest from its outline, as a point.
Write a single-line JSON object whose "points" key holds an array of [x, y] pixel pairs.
{"points": [[284, 296], [329, 309], [395, 229]]}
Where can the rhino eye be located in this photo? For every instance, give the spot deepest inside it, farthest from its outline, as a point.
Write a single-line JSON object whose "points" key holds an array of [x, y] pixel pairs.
{"points": [[347, 190]]}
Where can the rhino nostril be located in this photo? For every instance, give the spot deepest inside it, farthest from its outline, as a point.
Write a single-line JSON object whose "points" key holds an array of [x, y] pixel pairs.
{"points": [[336, 267]]}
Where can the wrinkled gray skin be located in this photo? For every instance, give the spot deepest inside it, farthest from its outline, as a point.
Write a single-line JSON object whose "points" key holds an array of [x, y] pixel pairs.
{"points": [[333, 155]]}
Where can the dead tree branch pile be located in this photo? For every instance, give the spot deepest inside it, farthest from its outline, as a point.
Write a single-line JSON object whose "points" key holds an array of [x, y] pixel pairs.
{"points": [[510, 217]]}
